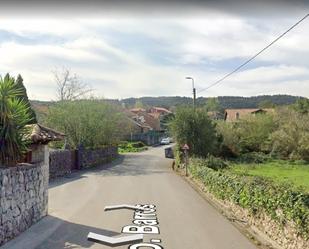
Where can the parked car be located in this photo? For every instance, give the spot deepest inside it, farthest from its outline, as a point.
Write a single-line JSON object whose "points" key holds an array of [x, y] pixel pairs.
{"points": [[165, 140]]}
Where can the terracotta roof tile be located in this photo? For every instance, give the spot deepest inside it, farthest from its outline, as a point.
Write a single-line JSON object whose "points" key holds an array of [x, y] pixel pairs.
{"points": [[41, 134]]}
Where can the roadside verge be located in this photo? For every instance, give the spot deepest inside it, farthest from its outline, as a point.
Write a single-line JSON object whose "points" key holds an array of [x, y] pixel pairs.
{"points": [[261, 230]]}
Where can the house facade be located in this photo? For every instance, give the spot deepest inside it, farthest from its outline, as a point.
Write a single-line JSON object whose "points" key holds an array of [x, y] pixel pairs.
{"points": [[232, 115]]}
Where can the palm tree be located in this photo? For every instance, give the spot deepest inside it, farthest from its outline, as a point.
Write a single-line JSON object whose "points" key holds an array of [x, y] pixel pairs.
{"points": [[14, 115]]}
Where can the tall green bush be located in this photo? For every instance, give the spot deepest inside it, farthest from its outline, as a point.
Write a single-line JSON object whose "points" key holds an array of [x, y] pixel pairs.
{"points": [[230, 140], [14, 116], [24, 97], [254, 132], [195, 129], [291, 139], [92, 123]]}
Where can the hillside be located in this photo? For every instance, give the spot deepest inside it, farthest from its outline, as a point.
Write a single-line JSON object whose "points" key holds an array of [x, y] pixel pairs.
{"points": [[41, 107], [225, 101]]}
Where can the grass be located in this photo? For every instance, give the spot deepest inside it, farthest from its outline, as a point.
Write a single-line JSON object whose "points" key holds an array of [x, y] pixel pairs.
{"points": [[126, 147], [296, 173]]}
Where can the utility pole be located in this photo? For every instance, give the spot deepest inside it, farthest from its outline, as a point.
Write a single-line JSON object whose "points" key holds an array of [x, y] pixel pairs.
{"points": [[194, 91]]}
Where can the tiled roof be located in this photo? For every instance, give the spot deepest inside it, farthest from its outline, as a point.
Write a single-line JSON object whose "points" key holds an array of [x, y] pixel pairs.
{"points": [[143, 118], [40, 134], [135, 110], [155, 114], [161, 109]]}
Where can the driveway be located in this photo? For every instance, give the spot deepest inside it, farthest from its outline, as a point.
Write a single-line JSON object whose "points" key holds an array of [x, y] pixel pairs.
{"points": [[77, 202]]}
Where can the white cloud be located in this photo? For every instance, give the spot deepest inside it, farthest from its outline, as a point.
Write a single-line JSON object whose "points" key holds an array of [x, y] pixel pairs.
{"points": [[117, 71]]}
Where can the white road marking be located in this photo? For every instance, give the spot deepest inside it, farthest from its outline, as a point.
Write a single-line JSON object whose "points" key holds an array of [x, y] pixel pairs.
{"points": [[111, 241], [123, 206]]}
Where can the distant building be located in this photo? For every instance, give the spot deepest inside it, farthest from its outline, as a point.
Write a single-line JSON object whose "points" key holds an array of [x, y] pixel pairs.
{"points": [[137, 110], [159, 110], [214, 115], [231, 115], [146, 124]]}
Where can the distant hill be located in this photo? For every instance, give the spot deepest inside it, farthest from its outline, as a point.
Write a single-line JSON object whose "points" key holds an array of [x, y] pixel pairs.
{"points": [[225, 101], [41, 107]]}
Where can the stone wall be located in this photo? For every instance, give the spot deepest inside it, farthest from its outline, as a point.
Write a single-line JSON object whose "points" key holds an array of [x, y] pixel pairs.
{"points": [[88, 158], [23, 198], [61, 162]]}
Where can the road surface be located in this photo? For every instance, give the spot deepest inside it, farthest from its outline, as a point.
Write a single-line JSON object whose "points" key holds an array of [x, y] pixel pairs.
{"points": [[76, 207]]}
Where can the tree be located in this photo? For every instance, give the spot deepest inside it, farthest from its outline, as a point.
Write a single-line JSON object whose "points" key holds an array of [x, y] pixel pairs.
{"points": [[24, 97], [195, 129], [139, 104], [301, 106], [291, 139], [213, 104], [230, 144], [69, 86], [14, 116], [91, 123], [254, 131], [266, 104]]}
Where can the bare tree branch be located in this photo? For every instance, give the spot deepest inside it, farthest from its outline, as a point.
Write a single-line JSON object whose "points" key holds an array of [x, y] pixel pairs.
{"points": [[69, 87]]}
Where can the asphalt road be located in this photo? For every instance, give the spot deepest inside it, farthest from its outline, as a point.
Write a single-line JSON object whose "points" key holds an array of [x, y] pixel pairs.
{"points": [[76, 207]]}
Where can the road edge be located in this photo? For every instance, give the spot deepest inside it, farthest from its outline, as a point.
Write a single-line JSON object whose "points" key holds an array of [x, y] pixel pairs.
{"points": [[257, 237]]}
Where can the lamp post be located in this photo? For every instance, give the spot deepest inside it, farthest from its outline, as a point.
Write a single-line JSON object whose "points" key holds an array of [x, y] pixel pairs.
{"points": [[194, 91]]}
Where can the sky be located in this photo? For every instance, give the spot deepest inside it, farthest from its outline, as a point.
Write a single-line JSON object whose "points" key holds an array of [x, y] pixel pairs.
{"points": [[143, 53]]}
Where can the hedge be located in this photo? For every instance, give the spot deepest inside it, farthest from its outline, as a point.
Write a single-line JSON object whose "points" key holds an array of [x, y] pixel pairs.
{"points": [[282, 202]]}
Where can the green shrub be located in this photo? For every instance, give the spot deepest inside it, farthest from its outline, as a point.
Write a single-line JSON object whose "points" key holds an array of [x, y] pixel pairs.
{"points": [[291, 139], [281, 202], [212, 162], [193, 127], [179, 156], [254, 132], [215, 163], [14, 116], [125, 147], [230, 139], [138, 144], [90, 122], [253, 157]]}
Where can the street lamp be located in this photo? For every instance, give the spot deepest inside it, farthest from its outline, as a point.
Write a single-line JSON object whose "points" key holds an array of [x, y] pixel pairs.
{"points": [[194, 91]]}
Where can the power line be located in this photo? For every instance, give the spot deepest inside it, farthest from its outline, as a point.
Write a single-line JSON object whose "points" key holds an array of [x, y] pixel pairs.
{"points": [[254, 56]]}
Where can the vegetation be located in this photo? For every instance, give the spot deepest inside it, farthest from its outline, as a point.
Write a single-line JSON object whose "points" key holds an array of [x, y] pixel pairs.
{"points": [[90, 123], [250, 175], [266, 104], [290, 140], [225, 101], [284, 134], [14, 116], [177, 101], [301, 106], [195, 129], [24, 97], [213, 104], [258, 195], [165, 121], [281, 171], [125, 147]]}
